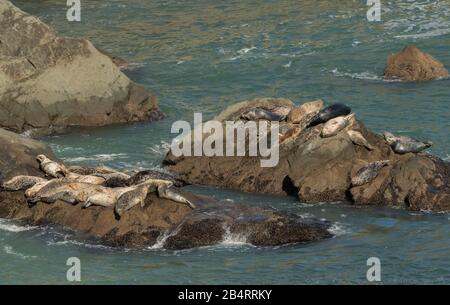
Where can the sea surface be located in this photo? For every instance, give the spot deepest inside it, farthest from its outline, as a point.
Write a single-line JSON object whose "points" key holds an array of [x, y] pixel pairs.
{"points": [[201, 56]]}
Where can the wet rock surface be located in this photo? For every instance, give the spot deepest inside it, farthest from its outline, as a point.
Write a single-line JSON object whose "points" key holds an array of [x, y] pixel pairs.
{"points": [[317, 169], [170, 225], [49, 82], [160, 222], [412, 64]]}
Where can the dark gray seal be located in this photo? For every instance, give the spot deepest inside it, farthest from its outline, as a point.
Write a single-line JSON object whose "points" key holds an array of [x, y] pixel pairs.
{"points": [[256, 114], [368, 173], [143, 176], [329, 113], [403, 144]]}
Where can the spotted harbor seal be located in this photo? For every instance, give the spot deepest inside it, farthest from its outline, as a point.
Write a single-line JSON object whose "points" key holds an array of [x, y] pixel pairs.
{"points": [[116, 179], [143, 176], [403, 144], [70, 192], [130, 198], [20, 183], [329, 113], [335, 125], [51, 168], [256, 114], [368, 172], [91, 179], [358, 139]]}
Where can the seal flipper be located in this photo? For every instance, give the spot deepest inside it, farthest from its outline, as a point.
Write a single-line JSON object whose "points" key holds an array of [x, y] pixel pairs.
{"points": [[169, 193]]}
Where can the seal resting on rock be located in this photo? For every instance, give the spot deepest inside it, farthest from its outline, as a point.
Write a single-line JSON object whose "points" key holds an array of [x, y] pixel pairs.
{"points": [[91, 179], [403, 144], [368, 173], [20, 183], [256, 114], [329, 113], [51, 168], [334, 126], [116, 179], [358, 139], [143, 176]]}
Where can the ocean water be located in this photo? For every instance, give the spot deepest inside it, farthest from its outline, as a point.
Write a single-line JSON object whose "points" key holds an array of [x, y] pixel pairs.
{"points": [[201, 56]]}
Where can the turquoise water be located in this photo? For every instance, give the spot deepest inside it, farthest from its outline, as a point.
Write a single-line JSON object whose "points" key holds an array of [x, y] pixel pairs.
{"points": [[202, 56]]}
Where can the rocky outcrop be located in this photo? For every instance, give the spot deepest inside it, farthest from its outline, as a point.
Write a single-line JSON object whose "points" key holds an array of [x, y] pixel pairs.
{"points": [[18, 155], [168, 224], [317, 169], [160, 222], [412, 64], [49, 81]]}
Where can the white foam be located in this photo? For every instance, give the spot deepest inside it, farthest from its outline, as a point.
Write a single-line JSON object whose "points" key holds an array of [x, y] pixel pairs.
{"points": [[98, 157], [9, 250], [8, 225], [232, 239], [433, 33], [339, 229]]}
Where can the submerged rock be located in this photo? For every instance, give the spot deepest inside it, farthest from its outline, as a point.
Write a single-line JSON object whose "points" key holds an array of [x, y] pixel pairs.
{"points": [[412, 64], [317, 169], [49, 82]]}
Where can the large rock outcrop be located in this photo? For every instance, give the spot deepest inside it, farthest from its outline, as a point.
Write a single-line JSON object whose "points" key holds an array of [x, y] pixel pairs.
{"points": [[49, 81], [317, 169], [161, 222], [412, 64], [18, 155]]}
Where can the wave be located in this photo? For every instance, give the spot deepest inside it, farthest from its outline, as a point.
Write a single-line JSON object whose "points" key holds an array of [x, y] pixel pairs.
{"points": [[97, 157], [362, 76], [434, 33], [339, 229], [160, 149], [9, 226], [9, 250]]}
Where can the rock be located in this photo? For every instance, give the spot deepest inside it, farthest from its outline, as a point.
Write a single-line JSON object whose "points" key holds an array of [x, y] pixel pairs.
{"points": [[279, 106], [52, 82], [317, 169], [302, 112], [173, 225], [18, 155], [412, 64], [169, 224], [121, 63]]}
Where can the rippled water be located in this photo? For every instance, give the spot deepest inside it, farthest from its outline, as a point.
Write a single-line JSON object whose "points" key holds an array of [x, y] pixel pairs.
{"points": [[204, 55]]}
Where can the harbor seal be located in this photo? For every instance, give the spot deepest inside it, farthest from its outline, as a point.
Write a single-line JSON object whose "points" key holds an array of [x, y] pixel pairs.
{"points": [[358, 139], [20, 183], [256, 114], [368, 172], [132, 197], [335, 125], [70, 192], [91, 179], [329, 113], [403, 144], [116, 179], [51, 168], [143, 176]]}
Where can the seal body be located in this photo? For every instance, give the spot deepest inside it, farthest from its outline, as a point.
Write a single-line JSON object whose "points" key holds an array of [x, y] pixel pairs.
{"points": [[256, 114], [51, 168], [403, 144], [329, 113], [146, 175], [91, 179], [130, 198], [115, 179], [21, 182], [358, 139], [335, 125], [368, 173]]}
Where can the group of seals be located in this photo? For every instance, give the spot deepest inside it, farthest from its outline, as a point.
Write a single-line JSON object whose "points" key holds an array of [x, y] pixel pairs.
{"points": [[106, 188]]}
